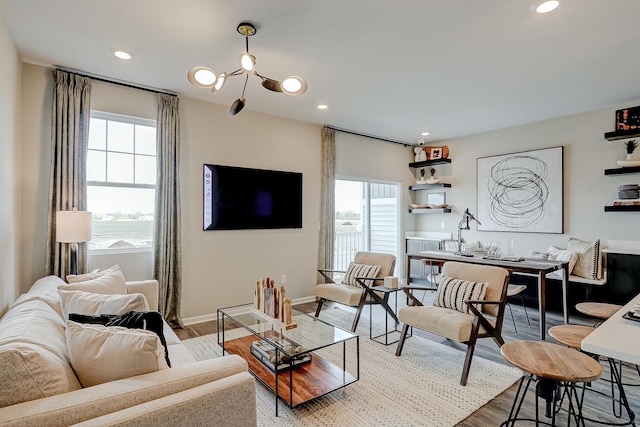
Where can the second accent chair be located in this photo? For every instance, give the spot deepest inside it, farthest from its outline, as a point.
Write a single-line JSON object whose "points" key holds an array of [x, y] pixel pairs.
{"points": [[469, 303], [367, 269]]}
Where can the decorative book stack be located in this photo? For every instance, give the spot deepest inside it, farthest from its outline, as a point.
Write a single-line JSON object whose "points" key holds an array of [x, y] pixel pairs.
{"points": [[273, 302]]}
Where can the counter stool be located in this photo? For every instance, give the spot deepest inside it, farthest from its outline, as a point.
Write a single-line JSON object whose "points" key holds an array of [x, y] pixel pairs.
{"points": [[599, 310], [516, 290], [572, 336], [554, 368]]}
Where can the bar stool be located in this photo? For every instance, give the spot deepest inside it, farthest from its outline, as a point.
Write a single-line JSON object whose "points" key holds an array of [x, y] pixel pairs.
{"points": [[599, 310], [516, 290], [572, 336], [554, 368]]}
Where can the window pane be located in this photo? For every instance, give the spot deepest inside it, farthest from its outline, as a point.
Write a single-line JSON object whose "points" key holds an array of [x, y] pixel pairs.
{"points": [[120, 137], [96, 165], [98, 134], [145, 140], [119, 167], [122, 217], [145, 170]]}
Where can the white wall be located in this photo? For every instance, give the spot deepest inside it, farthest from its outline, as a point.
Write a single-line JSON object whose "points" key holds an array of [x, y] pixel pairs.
{"points": [[219, 267], [9, 157], [586, 189]]}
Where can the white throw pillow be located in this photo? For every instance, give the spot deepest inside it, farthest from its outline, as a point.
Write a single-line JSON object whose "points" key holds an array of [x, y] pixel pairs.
{"points": [[589, 263], [557, 254], [88, 303], [360, 270], [452, 293], [100, 354], [75, 278], [109, 283]]}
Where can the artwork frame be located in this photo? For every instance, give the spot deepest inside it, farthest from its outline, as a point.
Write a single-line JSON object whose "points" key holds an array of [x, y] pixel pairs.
{"points": [[521, 192], [436, 153]]}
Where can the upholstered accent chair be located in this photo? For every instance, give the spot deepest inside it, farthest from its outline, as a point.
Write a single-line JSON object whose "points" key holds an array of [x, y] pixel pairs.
{"points": [[469, 303], [367, 269]]}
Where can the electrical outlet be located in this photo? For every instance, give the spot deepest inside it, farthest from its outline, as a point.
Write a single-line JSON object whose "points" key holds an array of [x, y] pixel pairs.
{"points": [[441, 224], [283, 279]]}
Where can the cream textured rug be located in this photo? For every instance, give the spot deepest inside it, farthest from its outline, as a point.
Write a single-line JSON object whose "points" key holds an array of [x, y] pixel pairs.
{"points": [[419, 388]]}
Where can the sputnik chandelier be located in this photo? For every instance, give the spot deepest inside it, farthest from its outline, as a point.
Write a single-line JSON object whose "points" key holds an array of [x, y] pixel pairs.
{"points": [[206, 78]]}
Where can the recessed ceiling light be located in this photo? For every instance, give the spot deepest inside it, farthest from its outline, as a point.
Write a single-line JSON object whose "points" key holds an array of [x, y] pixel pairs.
{"points": [[424, 133], [322, 107], [122, 54], [547, 6]]}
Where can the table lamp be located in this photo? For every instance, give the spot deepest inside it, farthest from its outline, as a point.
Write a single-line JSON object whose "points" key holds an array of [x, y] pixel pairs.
{"points": [[73, 227]]}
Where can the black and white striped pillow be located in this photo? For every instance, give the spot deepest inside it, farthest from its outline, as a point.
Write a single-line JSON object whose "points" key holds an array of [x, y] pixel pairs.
{"points": [[452, 293], [360, 270]]}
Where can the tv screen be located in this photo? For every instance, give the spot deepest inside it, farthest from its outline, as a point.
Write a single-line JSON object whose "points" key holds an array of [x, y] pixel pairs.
{"points": [[241, 198]]}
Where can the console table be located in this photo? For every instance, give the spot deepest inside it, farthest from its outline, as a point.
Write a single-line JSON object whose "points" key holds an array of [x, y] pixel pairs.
{"points": [[539, 268]]}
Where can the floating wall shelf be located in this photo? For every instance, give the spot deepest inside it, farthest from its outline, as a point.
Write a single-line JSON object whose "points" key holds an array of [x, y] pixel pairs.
{"points": [[429, 186], [620, 171], [423, 211], [622, 208], [426, 163], [621, 134]]}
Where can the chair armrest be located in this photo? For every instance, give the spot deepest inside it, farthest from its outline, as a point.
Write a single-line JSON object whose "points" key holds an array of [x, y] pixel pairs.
{"points": [[413, 301], [324, 274], [471, 301], [418, 288], [360, 280]]}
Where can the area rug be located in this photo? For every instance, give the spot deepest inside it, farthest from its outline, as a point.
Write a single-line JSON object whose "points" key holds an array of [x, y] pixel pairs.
{"points": [[419, 388]]}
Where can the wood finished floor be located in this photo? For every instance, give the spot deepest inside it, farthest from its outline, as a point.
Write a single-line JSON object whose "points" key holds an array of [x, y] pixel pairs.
{"points": [[496, 411]]}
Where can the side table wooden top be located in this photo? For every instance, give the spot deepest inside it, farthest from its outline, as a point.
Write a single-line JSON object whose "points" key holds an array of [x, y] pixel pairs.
{"points": [[551, 361], [571, 335]]}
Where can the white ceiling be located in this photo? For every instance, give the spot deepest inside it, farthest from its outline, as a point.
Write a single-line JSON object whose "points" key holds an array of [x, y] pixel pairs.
{"points": [[386, 68]]}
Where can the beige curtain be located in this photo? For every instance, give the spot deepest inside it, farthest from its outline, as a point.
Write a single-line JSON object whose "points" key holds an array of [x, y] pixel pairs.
{"points": [[167, 252], [327, 201], [68, 181]]}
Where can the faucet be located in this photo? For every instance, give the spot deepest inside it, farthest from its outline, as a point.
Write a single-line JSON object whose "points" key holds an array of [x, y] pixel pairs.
{"points": [[464, 225]]}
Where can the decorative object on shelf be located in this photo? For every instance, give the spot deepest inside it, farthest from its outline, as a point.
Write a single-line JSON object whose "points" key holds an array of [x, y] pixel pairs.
{"points": [[420, 154], [633, 155], [273, 302], [522, 192], [433, 179], [436, 153], [206, 78], [629, 191], [422, 180], [427, 206], [440, 152], [628, 119], [438, 199]]}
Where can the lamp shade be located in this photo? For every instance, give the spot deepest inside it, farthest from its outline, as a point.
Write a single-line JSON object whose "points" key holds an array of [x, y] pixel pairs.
{"points": [[73, 226]]}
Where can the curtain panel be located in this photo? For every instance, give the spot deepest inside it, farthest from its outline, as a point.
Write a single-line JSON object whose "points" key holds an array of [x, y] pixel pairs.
{"points": [[68, 180], [167, 252], [327, 200]]}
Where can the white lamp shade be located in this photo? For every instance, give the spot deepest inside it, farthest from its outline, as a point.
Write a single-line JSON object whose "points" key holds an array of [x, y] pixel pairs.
{"points": [[73, 226]]}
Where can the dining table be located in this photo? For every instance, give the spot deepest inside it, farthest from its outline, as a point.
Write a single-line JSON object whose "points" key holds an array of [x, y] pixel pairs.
{"points": [[527, 266]]}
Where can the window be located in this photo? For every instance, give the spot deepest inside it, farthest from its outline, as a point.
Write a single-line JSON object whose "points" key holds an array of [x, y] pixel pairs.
{"points": [[366, 220], [121, 181]]}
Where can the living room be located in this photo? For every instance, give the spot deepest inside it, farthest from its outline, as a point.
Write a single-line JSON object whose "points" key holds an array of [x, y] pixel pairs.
{"points": [[220, 268]]}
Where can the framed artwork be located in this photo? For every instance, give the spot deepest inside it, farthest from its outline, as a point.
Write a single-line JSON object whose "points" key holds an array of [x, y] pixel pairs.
{"points": [[436, 153], [521, 192]]}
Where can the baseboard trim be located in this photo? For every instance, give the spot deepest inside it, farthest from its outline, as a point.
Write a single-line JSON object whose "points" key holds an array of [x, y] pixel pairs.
{"points": [[212, 317]]}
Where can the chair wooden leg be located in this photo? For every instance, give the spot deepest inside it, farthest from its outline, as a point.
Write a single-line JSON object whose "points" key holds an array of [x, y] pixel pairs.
{"points": [[319, 307], [403, 336], [471, 345], [363, 298]]}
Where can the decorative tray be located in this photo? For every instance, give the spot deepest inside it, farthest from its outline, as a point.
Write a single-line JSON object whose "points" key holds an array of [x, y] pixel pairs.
{"points": [[630, 315], [266, 353]]}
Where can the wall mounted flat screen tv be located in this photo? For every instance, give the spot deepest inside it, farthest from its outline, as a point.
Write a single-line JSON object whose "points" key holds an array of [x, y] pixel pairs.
{"points": [[241, 198]]}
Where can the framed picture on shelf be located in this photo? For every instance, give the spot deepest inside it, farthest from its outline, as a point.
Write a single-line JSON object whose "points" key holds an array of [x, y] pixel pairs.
{"points": [[436, 153]]}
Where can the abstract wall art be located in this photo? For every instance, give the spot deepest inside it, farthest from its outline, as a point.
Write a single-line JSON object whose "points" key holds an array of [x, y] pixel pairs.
{"points": [[521, 192]]}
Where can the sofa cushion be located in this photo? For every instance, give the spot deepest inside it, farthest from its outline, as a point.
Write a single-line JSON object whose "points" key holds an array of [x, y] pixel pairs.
{"points": [[589, 258], [100, 354], [111, 283], [76, 278], [89, 303], [45, 290], [452, 293]]}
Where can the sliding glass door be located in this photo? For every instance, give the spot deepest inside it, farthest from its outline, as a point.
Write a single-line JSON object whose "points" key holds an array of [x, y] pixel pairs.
{"points": [[367, 219]]}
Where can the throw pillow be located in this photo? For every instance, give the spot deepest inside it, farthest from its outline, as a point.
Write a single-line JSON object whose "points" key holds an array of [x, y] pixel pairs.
{"points": [[538, 255], [452, 293], [589, 263], [100, 354], [76, 278], [148, 320], [109, 283], [89, 303], [360, 270], [557, 254]]}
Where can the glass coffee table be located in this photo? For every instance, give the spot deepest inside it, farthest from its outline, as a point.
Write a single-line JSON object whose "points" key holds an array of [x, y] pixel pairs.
{"points": [[306, 359]]}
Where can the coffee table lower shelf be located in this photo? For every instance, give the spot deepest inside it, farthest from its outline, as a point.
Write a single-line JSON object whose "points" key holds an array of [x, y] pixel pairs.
{"points": [[310, 381]]}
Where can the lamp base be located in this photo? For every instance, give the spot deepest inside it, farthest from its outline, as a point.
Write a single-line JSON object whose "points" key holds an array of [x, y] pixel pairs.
{"points": [[73, 259]]}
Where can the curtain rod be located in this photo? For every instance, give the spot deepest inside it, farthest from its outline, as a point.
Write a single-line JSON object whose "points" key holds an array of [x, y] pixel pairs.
{"points": [[114, 81], [368, 136]]}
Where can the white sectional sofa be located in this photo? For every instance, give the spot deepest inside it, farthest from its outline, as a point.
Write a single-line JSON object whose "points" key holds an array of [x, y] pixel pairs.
{"points": [[38, 386]]}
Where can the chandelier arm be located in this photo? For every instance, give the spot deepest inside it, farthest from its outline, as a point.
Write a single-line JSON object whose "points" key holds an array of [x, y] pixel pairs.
{"points": [[236, 72], [245, 85]]}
